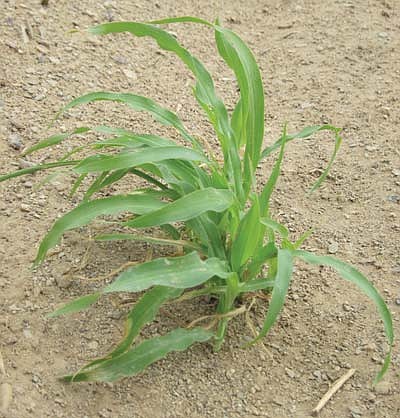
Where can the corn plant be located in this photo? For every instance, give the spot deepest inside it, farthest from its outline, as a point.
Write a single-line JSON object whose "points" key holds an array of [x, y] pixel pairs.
{"points": [[210, 208]]}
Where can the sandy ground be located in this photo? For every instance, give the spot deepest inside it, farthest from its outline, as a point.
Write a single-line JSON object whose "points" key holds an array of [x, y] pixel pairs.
{"points": [[333, 61]]}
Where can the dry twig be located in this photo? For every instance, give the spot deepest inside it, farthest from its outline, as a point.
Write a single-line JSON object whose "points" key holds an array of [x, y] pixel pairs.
{"points": [[332, 390]]}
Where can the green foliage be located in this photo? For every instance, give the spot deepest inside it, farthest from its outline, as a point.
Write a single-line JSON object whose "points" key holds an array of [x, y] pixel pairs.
{"points": [[209, 209]]}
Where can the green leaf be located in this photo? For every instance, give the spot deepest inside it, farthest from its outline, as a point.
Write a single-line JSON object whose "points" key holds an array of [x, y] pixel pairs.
{"points": [[275, 226], [251, 104], [247, 237], [181, 19], [256, 284], [177, 272], [54, 140], [140, 103], [303, 134], [204, 90], [273, 178], [134, 140], [135, 203], [34, 169], [187, 207], [146, 353], [354, 276], [306, 133], [338, 141], [135, 158], [267, 252], [281, 285], [76, 305], [145, 238], [144, 311]]}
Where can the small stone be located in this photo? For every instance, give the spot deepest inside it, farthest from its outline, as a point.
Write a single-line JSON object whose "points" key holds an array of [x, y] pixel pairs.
{"points": [[25, 164], [333, 247], [396, 172], [115, 315], [383, 388], [93, 345], [371, 148], [397, 301], [119, 59], [35, 379], [290, 373], [355, 411], [129, 74], [346, 307], [25, 208], [15, 141], [393, 198], [317, 374], [383, 35]]}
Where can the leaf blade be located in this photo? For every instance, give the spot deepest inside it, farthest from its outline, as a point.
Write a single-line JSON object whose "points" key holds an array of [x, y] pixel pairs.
{"points": [[177, 272], [86, 212], [281, 285], [132, 159], [140, 357], [354, 276], [187, 207]]}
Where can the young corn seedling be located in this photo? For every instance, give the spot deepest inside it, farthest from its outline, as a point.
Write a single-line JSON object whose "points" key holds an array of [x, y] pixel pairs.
{"points": [[209, 208]]}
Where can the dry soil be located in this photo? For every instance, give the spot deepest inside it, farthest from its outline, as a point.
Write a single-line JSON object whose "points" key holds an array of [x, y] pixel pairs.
{"points": [[333, 61]]}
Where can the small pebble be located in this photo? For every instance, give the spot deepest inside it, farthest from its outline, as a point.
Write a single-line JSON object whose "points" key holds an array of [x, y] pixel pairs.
{"points": [[333, 247], [93, 345], [383, 35], [25, 164], [15, 141], [25, 208], [129, 74], [397, 301], [290, 373], [393, 198], [371, 148], [119, 59]]}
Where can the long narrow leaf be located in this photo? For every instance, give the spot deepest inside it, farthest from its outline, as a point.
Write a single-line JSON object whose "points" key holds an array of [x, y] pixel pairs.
{"points": [[262, 255], [354, 276], [86, 212], [136, 158], [34, 169], [144, 311], [272, 180], [204, 90], [146, 353], [54, 140], [178, 272], [145, 238], [306, 133], [76, 305], [251, 105], [246, 240], [185, 208], [140, 103], [281, 285]]}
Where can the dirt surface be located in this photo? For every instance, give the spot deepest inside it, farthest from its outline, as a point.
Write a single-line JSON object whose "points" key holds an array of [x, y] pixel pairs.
{"points": [[331, 61]]}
